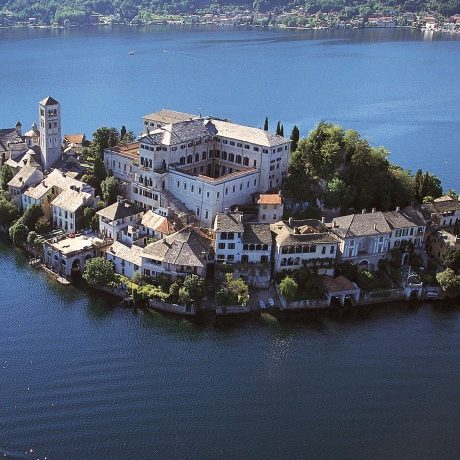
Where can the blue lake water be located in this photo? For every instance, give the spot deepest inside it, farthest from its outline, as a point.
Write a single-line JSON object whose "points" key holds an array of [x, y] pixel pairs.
{"points": [[81, 378], [398, 88]]}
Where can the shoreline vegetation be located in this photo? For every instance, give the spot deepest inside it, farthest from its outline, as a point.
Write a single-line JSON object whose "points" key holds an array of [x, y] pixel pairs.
{"points": [[332, 166], [426, 15]]}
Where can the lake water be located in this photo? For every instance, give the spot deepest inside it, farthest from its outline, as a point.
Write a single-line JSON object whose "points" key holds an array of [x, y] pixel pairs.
{"points": [[80, 378], [398, 88]]}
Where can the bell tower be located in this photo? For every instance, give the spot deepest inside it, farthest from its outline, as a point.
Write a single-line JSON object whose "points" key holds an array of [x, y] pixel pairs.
{"points": [[50, 131]]}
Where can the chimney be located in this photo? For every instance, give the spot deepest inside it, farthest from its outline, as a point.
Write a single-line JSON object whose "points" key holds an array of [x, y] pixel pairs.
{"points": [[280, 193], [226, 210], [373, 209], [375, 226], [323, 220], [398, 208], [296, 230], [290, 221], [363, 211], [241, 217], [119, 199]]}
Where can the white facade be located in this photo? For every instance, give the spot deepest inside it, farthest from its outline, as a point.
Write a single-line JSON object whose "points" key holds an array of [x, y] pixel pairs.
{"points": [[126, 260], [50, 131], [206, 164]]}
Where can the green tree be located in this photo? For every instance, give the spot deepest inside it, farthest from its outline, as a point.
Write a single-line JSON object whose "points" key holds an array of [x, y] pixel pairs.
{"points": [[449, 282], [31, 216], [184, 296], [195, 285], [452, 193], [426, 184], [43, 225], [335, 191], [18, 233], [88, 214], [295, 137], [288, 288], [451, 259], [266, 124], [103, 138], [8, 211], [282, 130], [6, 174], [98, 170], [99, 272], [110, 190], [95, 223], [234, 291], [278, 128], [122, 132]]}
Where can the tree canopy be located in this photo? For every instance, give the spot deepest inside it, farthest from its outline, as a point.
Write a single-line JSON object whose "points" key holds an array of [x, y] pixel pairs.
{"points": [[98, 272]]}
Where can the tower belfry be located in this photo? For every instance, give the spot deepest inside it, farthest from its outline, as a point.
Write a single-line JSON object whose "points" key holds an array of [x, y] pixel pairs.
{"points": [[50, 131]]}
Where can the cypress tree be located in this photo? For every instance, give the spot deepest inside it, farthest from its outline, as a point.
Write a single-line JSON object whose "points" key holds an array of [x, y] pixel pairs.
{"points": [[266, 124], [295, 137], [282, 130], [122, 132], [278, 128]]}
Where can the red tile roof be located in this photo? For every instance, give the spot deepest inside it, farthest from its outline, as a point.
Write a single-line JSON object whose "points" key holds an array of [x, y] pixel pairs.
{"points": [[271, 198]]}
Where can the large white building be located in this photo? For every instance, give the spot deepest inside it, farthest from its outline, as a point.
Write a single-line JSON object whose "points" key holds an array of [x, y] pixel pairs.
{"points": [[203, 164]]}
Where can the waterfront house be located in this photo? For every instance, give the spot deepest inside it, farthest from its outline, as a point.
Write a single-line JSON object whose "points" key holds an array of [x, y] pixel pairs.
{"points": [[68, 255], [270, 207], [126, 260], [364, 238], [187, 251], [67, 209], [114, 219], [406, 225], [228, 236], [304, 243]]}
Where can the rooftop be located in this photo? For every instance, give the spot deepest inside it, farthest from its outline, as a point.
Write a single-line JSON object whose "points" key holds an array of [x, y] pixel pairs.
{"points": [[229, 222], [74, 138], [71, 200], [188, 246], [49, 101], [131, 254], [162, 224], [270, 198], [356, 225], [407, 217], [130, 150], [339, 284], [77, 244], [25, 173], [257, 234], [166, 116], [120, 209]]}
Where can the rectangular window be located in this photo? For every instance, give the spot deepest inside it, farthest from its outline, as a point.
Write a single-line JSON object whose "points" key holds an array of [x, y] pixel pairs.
{"points": [[221, 246], [232, 143], [231, 245]]}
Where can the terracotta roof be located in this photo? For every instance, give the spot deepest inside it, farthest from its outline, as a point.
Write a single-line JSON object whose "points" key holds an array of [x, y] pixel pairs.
{"points": [[74, 138], [339, 284], [270, 198], [130, 150]]}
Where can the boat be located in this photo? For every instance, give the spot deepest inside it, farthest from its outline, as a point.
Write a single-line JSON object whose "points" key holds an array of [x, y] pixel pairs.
{"points": [[131, 53]]}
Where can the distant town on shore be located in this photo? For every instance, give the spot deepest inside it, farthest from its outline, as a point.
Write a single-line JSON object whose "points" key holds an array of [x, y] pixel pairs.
{"points": [[202, 213], [429, 16]]}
